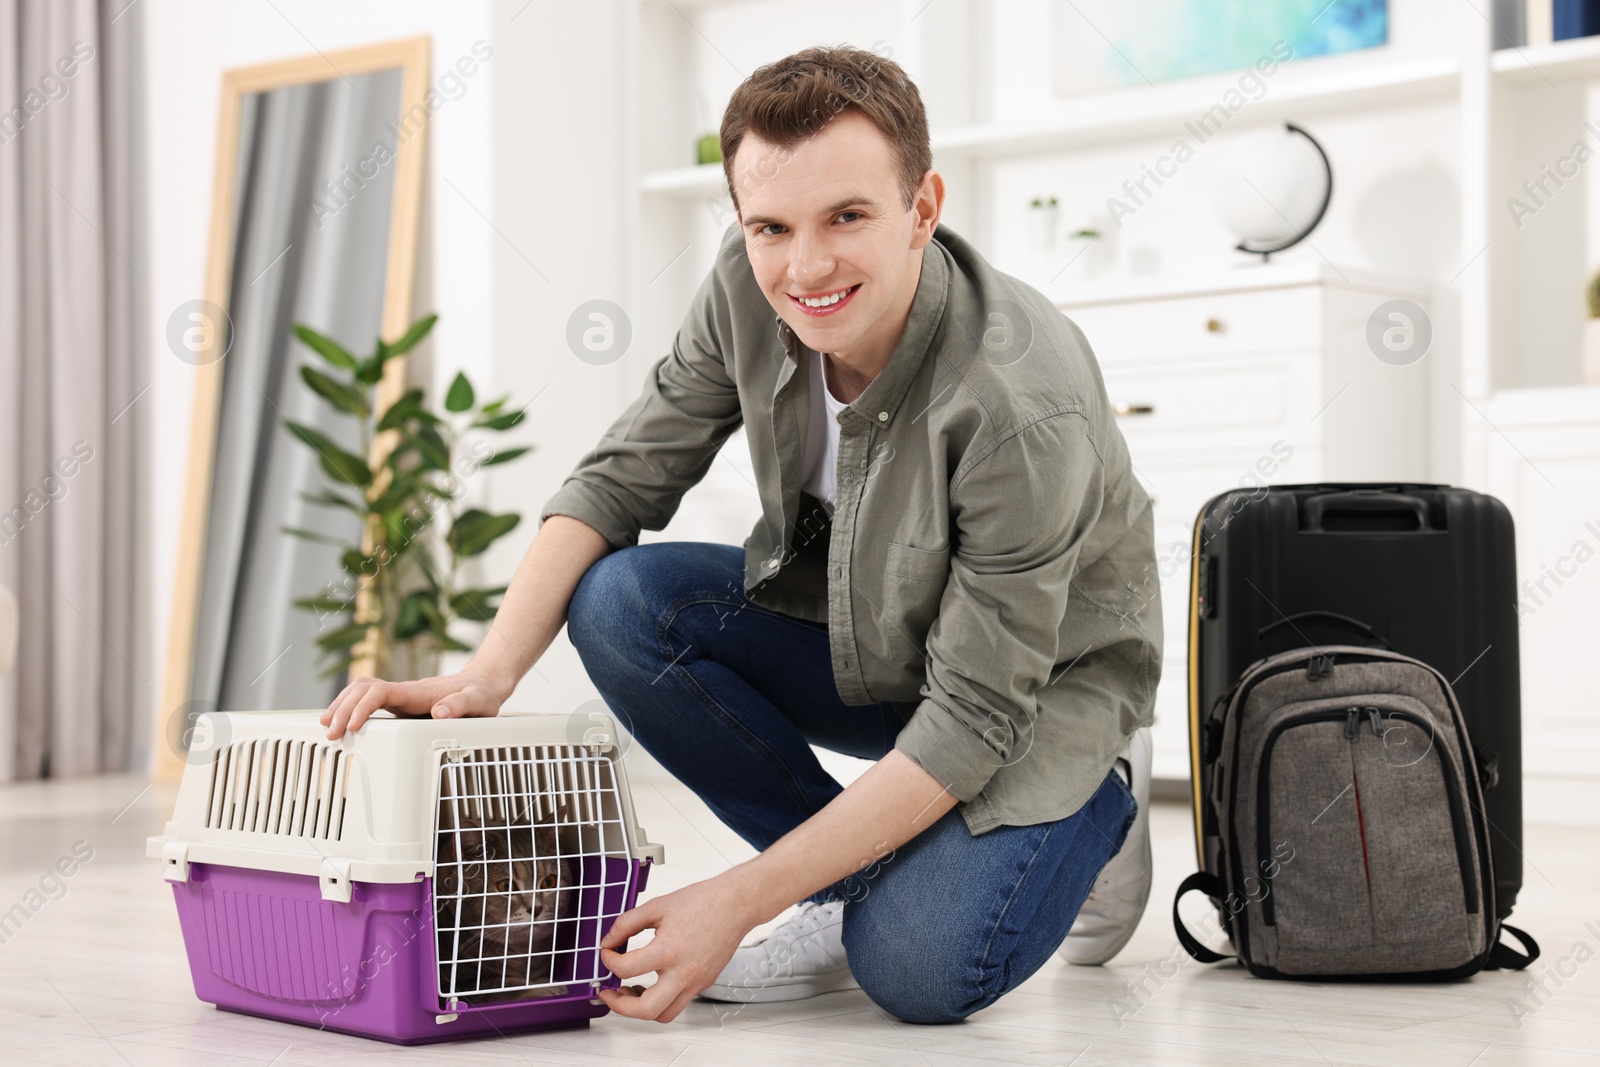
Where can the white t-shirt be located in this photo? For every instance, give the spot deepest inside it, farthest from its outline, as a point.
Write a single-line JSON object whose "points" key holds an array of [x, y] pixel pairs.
{"points": [[822, 438]]}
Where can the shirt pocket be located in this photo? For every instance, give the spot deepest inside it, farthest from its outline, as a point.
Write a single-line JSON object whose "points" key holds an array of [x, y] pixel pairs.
{"points": [[914, 581]]}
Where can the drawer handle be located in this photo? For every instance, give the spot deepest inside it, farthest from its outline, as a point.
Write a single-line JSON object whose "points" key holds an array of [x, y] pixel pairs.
{"points": [[1213, 325], [1121, 409]]}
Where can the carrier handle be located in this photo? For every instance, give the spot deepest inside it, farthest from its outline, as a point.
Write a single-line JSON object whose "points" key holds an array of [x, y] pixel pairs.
{"points": [[1211, 886], [1315, 510], [1332, 616], [1502, 957]]}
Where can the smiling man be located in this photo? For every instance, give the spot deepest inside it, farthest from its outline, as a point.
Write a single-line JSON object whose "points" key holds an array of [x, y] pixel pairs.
{"points": [[953, 576]]}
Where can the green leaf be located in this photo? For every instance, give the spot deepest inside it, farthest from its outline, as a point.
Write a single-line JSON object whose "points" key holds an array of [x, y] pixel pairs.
{"points": [[416, 612], [431, 447], [476, 530], [401, 487], [354, 560], [405, 408], [328, 498], [398, 533], [450, 644], [494, 406], [340, 465], [476, 604], [370, 369], [505, 457], [324, 604], [501, 422], [326, 347], [416, 333], [460, 396], [340, 664], [343, 638], [346, 398], [311, 535]]}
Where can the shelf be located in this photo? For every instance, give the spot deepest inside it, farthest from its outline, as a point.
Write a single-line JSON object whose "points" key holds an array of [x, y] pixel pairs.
{"points": [[1136, 113], [1577, 60], [1270, 275]]}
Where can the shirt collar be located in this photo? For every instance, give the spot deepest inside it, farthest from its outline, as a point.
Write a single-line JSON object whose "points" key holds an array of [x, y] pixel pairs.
{"points": [[882, 396]]}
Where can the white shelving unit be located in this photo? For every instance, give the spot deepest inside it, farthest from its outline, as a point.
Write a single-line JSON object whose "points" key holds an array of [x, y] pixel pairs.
{"points": [[1507, 305]]}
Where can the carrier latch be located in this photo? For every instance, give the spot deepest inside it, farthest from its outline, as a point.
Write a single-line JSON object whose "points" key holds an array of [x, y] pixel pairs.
{"points": [[335, 879], [175, 860]]}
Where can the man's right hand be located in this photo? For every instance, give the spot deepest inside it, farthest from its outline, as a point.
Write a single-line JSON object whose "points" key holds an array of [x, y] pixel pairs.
{"points": [[450, 696]]}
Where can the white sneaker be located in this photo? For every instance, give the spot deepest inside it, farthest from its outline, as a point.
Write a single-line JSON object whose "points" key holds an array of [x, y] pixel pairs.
{"points": [[804, 957], [1116, 903]]}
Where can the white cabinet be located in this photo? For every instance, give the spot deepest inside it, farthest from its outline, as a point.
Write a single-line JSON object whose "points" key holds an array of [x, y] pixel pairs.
{"points": [[1259, 376], [1538, 450]]}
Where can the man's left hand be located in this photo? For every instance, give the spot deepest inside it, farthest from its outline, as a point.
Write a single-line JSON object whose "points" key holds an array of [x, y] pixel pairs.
{"points": [[697, 929]]}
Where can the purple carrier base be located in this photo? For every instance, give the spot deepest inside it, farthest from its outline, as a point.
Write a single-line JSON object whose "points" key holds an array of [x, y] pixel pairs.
{"points": [[264, 943]]}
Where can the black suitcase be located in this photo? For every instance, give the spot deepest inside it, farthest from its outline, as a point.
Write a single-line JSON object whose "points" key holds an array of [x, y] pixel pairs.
{"points": [[1430, 570]]}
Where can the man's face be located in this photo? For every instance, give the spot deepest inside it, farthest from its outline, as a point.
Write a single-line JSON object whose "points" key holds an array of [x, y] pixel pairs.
{"points": [[831, 244]]}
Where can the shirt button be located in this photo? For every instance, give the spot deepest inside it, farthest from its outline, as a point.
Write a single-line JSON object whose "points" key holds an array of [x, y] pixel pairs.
{"points": [[770, 565], [883, 416]]}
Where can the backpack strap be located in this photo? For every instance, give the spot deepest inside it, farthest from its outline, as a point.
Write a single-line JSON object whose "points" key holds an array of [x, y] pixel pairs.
{"points": [[1211, 886], [1503, 957]]}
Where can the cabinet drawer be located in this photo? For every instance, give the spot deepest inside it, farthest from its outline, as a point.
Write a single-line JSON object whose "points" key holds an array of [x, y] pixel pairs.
{"points": [[1214, 324], [1177, 406]]}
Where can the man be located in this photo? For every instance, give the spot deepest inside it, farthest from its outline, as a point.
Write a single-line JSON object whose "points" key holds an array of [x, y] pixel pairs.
{"points": [[952, 575]]}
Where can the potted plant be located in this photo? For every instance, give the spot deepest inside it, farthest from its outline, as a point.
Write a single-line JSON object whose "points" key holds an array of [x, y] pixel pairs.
{"points": [[405, 495], [1591, 334]]}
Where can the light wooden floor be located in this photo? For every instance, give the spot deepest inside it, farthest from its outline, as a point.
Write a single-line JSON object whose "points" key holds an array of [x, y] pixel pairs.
{"points": [[98, 976]]}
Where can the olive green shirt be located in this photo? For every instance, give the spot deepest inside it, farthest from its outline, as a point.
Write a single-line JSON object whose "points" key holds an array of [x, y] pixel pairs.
{"points": [[990, 563]]}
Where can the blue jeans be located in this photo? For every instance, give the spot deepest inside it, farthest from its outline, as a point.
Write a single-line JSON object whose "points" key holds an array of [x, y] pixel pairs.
{"points": [[729, 697]]}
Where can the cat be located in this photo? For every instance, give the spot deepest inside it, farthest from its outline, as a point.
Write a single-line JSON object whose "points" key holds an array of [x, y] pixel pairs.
{"points": [[509, 904]]}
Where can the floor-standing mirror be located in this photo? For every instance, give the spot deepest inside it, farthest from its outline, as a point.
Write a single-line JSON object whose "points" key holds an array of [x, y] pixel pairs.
{"points": [[314, 216]]}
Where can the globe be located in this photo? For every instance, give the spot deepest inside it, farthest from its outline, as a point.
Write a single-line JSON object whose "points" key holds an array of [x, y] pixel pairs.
{"points": [[1270, 187]]}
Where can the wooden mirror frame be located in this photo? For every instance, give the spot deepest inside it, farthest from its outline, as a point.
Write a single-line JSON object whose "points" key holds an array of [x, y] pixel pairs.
{"points": [[411, 56]]}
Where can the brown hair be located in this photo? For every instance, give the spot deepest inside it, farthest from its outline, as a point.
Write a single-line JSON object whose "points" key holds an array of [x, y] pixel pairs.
{"points": [[789, 101]]}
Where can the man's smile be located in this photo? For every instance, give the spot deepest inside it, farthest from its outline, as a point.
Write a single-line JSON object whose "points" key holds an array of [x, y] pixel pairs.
{"points": [[825, 303]]}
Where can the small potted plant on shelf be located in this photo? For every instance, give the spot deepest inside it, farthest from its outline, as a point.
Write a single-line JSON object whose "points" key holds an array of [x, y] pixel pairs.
{"points": [[1591, 334], [405, 492]]}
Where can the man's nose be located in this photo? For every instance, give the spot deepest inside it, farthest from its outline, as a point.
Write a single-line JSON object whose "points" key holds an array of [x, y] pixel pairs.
{"points": [[811, 262]]}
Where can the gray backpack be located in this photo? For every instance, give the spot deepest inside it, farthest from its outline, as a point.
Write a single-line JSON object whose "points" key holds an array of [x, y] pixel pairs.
{"points": [[1349, 807]]}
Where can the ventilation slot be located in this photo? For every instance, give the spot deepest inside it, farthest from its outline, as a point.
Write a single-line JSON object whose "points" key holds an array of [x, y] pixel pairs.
{"points": [[279, 786]]}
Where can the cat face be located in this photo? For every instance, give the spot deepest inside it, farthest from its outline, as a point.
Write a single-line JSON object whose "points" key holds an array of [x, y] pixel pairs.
{"points": [[505, 889]]}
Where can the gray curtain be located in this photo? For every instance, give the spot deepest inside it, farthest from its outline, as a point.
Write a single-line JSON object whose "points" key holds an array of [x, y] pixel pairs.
{"points": [[310, 245], [71, 375]]}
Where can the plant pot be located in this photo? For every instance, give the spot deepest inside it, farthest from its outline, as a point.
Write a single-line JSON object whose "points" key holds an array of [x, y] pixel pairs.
{"points": [[1590, 366], [411, 660]]}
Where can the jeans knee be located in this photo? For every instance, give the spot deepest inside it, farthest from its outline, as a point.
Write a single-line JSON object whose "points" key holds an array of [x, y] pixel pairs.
{"points": [[907, 976], [608, 598]]}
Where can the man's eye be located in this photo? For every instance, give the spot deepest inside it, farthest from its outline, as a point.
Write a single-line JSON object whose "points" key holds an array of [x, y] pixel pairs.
{"points": [[857, 214], [763, 230], [502, 886]]}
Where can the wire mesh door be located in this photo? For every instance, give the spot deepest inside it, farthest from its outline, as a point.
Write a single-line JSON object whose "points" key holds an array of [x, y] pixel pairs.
{"points": [[532, 864]]}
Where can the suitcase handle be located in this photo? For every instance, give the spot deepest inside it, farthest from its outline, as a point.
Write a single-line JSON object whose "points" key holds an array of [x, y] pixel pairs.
{"points": [[1365, 512], [1331, 616]]}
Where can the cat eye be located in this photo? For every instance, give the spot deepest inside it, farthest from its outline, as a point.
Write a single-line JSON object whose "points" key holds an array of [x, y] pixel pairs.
{"points": [[549, 882], [502, 886]]}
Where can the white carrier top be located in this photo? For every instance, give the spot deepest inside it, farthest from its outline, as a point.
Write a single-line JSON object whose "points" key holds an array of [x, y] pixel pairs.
{"points": [[267, 790]]}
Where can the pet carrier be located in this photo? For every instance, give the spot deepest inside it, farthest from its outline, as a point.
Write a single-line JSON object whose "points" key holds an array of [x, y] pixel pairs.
{"points": [[414, 881]]}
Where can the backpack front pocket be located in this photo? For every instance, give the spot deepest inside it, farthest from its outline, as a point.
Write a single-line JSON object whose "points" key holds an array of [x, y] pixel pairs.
{"points": [[1368, 802]]}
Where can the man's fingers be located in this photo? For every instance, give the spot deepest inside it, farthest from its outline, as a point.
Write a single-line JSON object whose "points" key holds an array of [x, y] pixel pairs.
{"points": [[677, 1006], [632, 964], [649, 1005], [630, 922]]}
